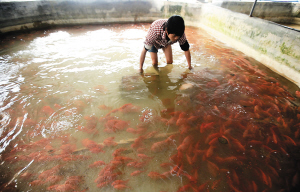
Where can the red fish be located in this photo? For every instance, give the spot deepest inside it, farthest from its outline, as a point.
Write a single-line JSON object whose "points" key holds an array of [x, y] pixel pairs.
{"points": [[68, 148], [212, 168], [137, 142], [143, 156], [97, 150], [215, 184], [53, 179], [62, 187], [36, 183], [121, 187], [156, 175], [146, 116], [103, 184], [181, 121], [206, 126], [117, 182], [90, 131], [100, 88], [47, 110], [151, 134], [159, 146], [130, 108], [89, 143], [74, 180], [104, 107], [167, 165], [203, 187], [97, 164], [45, 174], [138, 172], [122, 158], [117, 152], [184, 188], [109, 141], [132, 130], [185, 143]]}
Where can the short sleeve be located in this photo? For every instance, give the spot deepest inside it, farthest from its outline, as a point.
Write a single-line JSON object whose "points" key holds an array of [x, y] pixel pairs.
{"points": [[150, 38]]}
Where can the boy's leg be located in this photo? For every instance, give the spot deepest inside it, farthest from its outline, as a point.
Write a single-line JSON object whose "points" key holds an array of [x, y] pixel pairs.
{"points": [[153, 54], [168, 54], [154, 58]]}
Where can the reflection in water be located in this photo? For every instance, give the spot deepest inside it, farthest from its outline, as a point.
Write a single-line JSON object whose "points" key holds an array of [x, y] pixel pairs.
{"points": [[77, 118], [160, 86]]}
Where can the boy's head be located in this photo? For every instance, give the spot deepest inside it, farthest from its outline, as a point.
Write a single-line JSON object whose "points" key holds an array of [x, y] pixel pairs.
{"points": [[175, 25]]}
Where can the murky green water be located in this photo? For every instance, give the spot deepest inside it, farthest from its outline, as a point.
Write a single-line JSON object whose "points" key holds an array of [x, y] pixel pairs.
{"points": [[230, 124]]}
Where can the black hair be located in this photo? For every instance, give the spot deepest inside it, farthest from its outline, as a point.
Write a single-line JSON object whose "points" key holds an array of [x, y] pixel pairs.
{"points": [[175, 25]]}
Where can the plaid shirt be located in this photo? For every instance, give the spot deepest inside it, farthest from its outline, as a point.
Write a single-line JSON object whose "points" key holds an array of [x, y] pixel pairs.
{"points": [[157, 36]]}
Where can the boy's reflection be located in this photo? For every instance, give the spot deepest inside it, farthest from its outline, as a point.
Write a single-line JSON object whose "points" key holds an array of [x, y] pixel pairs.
{"points": [[162, 87]]}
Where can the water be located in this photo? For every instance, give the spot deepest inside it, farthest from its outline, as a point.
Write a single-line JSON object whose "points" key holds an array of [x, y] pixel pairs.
{"points": [[230, 124]]}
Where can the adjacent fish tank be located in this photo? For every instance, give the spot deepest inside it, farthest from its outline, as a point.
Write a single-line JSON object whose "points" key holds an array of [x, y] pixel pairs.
{"points": [[76, 115]]}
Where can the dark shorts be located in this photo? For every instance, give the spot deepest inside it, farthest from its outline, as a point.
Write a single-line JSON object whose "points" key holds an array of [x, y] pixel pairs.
{"points": [[153, 49]]}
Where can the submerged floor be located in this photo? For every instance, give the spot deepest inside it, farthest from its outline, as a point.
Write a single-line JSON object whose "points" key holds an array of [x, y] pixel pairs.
{"points": [[76, 116]]}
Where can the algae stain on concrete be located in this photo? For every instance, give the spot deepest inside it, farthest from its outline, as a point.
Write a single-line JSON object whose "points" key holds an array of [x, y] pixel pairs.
{"points": [[285, 49], [288, 50], [263, 50]]}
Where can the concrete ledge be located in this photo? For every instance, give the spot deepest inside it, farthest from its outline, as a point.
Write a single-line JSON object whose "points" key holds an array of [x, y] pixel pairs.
{"points": [[271, 44], [18, 16]]}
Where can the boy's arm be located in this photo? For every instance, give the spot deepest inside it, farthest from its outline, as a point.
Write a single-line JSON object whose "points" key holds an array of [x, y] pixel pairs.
{"points": [[188, 58], [142, 59]]}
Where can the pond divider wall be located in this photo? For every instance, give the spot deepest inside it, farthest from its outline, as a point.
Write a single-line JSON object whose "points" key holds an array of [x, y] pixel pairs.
{"points": [[275, 46]]}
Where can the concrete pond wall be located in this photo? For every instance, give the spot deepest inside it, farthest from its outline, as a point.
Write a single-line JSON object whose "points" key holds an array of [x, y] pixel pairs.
{"points": [[22, 15], [273, 45]]}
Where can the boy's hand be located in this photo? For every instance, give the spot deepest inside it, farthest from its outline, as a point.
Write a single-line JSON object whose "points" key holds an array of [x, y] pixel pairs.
{"points": [[141, 71], [190, 68]]}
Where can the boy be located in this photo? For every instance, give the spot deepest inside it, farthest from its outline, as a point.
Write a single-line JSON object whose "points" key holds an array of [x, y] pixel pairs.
{"points": [[162, 34]]}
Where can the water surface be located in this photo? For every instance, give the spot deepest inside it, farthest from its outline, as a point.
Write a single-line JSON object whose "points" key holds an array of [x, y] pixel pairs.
{"points": [[70, 97]]}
